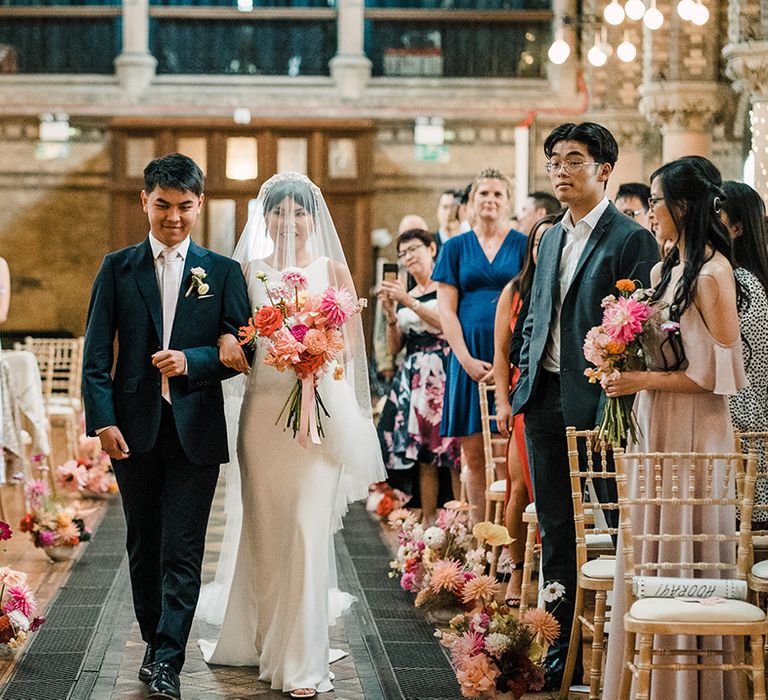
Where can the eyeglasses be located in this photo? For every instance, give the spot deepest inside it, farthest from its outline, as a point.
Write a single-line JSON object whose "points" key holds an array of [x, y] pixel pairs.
{"points": [[409, 251], [652, 201], [567, 166], [633, 213]]}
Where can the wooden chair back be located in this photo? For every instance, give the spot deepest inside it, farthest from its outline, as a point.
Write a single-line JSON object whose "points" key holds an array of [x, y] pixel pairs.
{"points": [[696, 481], [494, 444], [61, 364], [598, 465]]}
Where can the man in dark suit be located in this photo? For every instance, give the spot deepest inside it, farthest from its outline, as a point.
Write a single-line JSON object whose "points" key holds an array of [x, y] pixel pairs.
{"points": [[580, 259], [159, 414]]}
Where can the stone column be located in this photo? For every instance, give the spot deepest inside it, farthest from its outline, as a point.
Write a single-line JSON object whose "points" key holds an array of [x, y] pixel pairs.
{"points": [[747, 66], [135, 66], [350, 67], [685, 112]]}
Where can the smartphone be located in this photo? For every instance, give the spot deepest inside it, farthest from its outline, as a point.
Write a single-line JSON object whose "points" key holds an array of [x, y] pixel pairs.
{"points": [[390, 272]]}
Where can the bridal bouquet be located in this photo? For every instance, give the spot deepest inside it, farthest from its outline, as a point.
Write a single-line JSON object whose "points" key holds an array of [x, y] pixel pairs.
{"points": [[615, 346], [304, 334], [91, 473]]}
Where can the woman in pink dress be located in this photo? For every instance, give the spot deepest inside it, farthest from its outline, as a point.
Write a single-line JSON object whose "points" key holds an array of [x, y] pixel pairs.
{"points": [[682, 398]]}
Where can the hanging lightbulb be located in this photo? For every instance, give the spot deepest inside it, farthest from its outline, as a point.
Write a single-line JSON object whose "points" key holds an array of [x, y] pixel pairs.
{"points": [[560, 50], [686, 8], [626, 50], [652, 18], [700, 13], [613, 13], [635, 9], [596, 55]]}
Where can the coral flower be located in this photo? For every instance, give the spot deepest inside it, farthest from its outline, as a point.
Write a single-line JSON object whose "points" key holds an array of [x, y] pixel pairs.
{"points": [[480, 588], [334, 344], [71, 475], [286, 348], [267, 320], [446, 575], [623, 319], [337, 305], [626, 285], [477, 676], [309, 364], [542, 624], [467, 645], [69, 534], [315, 341], [247, 333]]}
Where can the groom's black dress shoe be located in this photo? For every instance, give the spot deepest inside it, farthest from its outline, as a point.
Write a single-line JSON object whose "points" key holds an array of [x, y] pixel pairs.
{"points": [[164, 682], [145, 670]]}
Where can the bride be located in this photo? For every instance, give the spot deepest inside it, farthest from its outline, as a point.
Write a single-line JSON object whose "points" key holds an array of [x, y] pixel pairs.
{"points": [[277, 609]]}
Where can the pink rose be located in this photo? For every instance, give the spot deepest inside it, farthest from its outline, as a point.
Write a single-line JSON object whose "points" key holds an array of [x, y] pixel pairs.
{"points": [[299, 331], [477, 676]]}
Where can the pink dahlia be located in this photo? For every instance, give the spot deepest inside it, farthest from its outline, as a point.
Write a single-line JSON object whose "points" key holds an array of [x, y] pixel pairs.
{"points": [[468, 644], [337, 305], [71, 475], [46, 538], [294, 278], [20, 598], [624, 319], [36, 491]]}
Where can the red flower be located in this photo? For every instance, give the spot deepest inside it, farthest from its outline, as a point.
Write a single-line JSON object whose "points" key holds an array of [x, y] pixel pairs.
{"points": [[386, 505], [309, 364], [268, 319], [27, 522], [5, 531]]}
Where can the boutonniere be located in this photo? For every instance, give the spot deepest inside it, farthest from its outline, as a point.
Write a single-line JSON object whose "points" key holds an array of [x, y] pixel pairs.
{"points": [[198, 275]]}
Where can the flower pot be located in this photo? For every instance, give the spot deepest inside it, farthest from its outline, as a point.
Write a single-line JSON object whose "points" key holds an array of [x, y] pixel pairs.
{"points": [[440, 617], [59, 552]]}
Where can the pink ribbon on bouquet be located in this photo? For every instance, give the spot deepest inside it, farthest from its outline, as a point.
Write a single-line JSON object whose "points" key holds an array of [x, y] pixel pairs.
{"points": [[308, 409]]}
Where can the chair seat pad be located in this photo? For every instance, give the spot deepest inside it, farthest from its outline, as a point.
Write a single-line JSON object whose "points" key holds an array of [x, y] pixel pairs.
{"points": [[499, 486], [531, 508], [601, 541], [599, 568], [760, 570], [690, 610]]}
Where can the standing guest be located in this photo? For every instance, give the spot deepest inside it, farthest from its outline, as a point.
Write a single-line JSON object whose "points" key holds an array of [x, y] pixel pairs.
{"points": [[580, 259], [682, 398], [471, 271], [536, 206], [156, 403], [744, 216], [448, 223], [409, 426], [632, 200], [519, 492], [385, 360]]}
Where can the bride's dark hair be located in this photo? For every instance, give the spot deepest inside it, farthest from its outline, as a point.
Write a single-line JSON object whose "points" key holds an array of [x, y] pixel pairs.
{"points": [[693, 196], [299, 191]]}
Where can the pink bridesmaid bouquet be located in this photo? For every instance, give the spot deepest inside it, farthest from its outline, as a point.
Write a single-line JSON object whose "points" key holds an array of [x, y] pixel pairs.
{"points": [[615, 346], [304, 334]]}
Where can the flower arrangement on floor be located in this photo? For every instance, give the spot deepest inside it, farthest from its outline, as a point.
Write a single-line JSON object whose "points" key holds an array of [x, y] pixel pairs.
{"points": [[53, 527], [17, 605], [305, 334], [437, 562], [491, 649], [90, 474], [383, 499], [615, 346]]}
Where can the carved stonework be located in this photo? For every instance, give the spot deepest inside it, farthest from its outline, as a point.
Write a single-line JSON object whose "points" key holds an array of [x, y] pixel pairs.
{"points": [[682, 106], [747, 66]]}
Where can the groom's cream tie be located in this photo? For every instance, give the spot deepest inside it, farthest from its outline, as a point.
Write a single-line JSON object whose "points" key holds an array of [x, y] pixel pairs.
{"points": [[170, 288]]}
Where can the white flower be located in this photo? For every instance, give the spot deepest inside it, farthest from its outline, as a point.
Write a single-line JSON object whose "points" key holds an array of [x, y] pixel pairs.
{"points": [[198, 272], [434, 537], [19, 621], [496, 644], [552, 591]]}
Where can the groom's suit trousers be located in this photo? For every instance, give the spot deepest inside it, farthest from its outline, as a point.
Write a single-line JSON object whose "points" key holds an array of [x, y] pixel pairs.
{"points": [[166, 500]]}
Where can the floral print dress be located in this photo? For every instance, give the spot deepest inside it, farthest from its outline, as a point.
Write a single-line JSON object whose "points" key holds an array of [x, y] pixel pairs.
{"points": [[409, 426]]}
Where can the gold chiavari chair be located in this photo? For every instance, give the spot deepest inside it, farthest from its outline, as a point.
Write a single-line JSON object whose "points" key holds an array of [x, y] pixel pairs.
{"points": [[687, 486]]}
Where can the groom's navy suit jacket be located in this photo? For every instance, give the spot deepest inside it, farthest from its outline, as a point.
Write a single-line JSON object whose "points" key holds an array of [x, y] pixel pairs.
{"points": [[125, 302], [618, 248]]}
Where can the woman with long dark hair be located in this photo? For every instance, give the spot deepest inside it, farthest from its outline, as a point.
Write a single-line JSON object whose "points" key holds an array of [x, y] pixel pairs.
{"points": [[744, 216], [510, 311], [682, 397]]}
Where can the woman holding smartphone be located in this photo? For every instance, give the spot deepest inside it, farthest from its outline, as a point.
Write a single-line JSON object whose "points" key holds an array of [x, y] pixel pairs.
{"points": [[409, 427]]}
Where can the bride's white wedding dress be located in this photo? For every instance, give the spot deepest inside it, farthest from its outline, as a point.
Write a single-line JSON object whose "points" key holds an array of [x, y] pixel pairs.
{"points": [[277, 613]]}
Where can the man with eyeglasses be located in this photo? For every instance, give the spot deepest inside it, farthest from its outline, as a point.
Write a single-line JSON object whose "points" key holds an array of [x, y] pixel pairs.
{"points": [[632, 200], [579, 261]]}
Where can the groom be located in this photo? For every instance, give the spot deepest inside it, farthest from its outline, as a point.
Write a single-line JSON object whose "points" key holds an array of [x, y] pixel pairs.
{"points": [[154, 399]]}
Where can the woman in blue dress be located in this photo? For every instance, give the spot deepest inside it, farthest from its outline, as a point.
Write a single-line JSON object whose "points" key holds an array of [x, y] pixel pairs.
{"points": [[471, 270]]}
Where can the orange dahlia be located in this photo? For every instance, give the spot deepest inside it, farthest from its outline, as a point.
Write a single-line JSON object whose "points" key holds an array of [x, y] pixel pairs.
{"points": [[542, 624]]}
